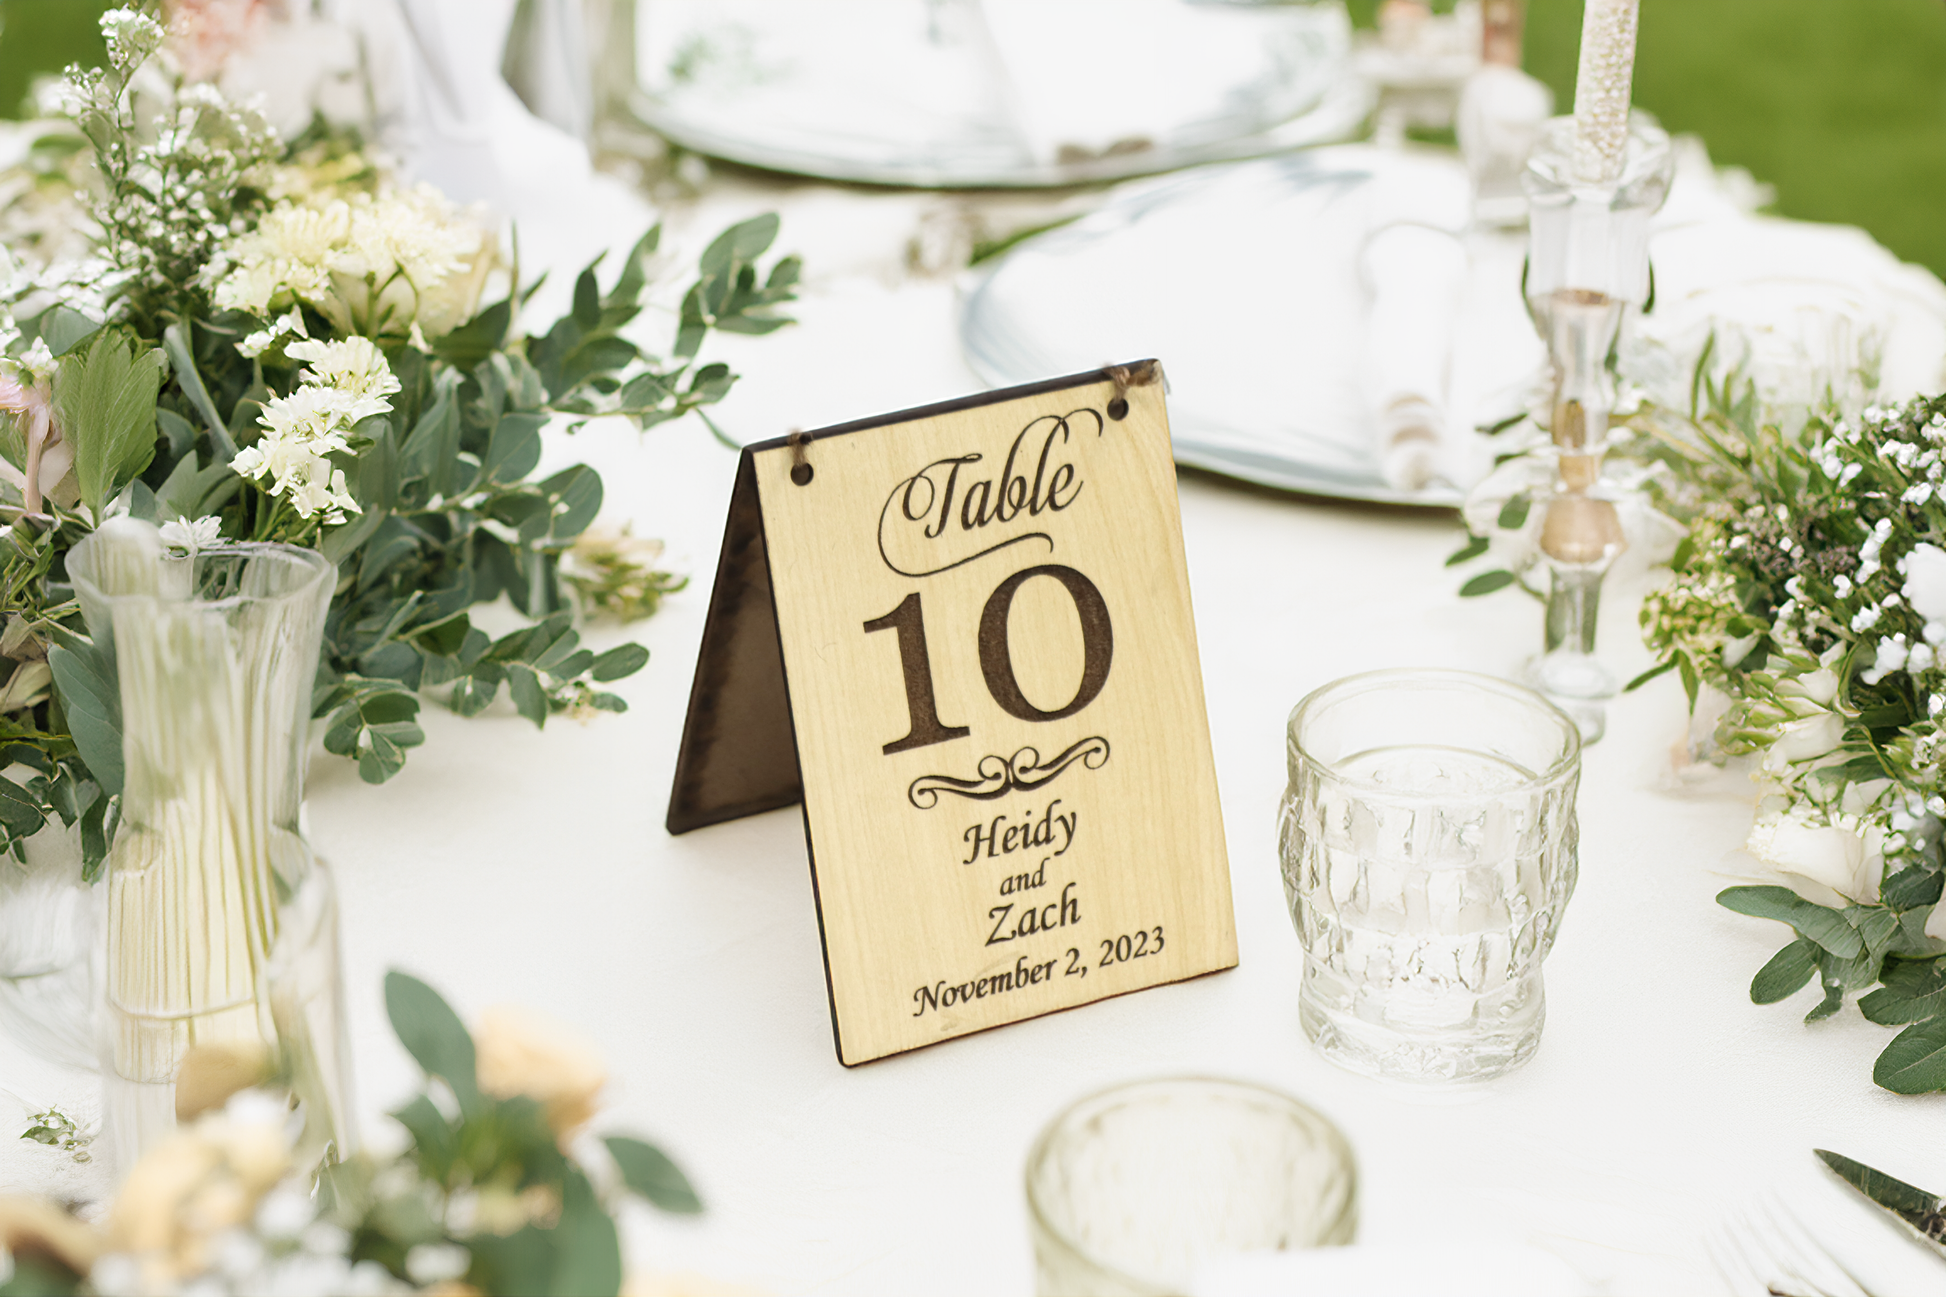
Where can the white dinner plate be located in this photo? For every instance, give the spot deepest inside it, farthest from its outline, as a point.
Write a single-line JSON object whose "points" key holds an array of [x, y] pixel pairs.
{"points": [[994, 93]]}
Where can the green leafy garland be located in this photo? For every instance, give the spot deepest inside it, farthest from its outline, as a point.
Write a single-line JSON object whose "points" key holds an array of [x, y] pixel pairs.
{"points": [[1810, 589], [168, 387]]}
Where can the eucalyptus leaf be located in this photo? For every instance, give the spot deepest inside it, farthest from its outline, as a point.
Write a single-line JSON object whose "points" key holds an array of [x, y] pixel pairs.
{"points": [[475, 340], [634, 276], [648, 1171], [432, 1137], [92, 700], [1876, 924], [1661, 668], [617, 663], [520, 1262], [514, 449], [175, 342], [179, 432], [1786, 973], [1915, 1061], [587, 1248], [431, 449], [63, 328], [1486, 583], [1826, 927], [530, 699], [1834, 1000], [98, 824], [1909, 1000], [20, 813], [433, 1034], [1913, 887]]}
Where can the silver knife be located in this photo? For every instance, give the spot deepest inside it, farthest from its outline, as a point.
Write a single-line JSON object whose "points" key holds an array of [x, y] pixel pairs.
{"points": [[1921, 1212]]}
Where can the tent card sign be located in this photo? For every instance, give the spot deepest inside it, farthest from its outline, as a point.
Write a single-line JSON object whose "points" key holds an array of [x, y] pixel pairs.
{"points": [[974, 620]]}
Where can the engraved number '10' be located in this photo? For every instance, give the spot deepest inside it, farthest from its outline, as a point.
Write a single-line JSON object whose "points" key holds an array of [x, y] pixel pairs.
{"points": [[996, 658]]}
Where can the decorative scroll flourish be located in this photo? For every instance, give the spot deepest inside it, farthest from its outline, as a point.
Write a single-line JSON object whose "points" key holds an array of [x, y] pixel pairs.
{"points": [[999, 775]]}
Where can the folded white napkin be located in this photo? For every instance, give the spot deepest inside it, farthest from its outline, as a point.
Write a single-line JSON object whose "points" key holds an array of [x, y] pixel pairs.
{"points": [[1416, 274]]}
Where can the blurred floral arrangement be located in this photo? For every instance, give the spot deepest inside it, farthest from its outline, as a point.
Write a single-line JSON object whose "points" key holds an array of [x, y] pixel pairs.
{"points": [[242, 337], [500, 1190], [1808, 597]]}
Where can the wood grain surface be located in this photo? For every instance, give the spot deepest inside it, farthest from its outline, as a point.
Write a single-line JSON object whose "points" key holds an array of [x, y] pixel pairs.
{"points": [[992, 671]]}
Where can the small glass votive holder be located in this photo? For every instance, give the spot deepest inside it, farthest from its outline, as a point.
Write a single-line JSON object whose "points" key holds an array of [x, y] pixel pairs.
{"points": [[1131, 1190], [1428, 843]]}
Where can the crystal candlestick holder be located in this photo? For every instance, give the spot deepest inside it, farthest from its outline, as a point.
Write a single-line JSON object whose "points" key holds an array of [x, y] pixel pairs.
{"points": [[1587, 273]]}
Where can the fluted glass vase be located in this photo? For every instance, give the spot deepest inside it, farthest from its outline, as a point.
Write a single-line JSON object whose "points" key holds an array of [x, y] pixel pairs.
{"points": [[221, 925]]}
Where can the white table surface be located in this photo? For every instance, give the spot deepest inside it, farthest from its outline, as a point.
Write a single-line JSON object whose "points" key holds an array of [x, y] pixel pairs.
{"points": [[507, 864]]}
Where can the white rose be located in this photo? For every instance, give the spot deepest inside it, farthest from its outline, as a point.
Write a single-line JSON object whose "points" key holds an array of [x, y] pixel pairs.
{"points": [[1820, 686], [1936, 922], [1925, 580], [1823, 863], [1805, 740]]}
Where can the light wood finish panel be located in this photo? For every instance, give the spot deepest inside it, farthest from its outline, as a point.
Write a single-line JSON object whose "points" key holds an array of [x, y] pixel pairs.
{"points": [[945, 912]]}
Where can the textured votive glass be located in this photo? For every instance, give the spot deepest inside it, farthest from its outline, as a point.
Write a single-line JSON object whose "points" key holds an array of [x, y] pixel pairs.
{"points": [[1131, 1190], [1428, 841]]}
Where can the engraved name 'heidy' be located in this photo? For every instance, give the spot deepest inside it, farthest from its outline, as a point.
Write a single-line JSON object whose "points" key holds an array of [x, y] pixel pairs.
{"points": [[934, 500], [999, 841]]}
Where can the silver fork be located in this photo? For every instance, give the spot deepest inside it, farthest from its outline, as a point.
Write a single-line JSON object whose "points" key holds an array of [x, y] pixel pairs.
{"points": [[1764, 1250]]}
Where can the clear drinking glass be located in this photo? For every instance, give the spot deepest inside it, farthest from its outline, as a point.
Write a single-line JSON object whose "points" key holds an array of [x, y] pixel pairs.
{"points": [[1428, 844], [1132, 1189]]}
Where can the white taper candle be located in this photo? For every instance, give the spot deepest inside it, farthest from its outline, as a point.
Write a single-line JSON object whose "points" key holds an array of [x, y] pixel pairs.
{"points": [[1601, 89]]}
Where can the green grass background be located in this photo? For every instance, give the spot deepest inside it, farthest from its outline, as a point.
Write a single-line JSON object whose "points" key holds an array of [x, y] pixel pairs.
{"points": [[1839, 104]]}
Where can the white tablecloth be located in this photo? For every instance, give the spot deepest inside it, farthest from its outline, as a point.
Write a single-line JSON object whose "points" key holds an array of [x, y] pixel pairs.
{"points": [[507, 864]]}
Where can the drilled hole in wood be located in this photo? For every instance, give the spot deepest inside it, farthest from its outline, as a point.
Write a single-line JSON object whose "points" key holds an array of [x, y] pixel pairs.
{"points": [[801, 474], [1118, 408]]}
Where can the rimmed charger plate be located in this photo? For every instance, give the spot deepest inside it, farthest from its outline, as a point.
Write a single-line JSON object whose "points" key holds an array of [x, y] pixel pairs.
{"points": [[993, 93], [1243, 279]]}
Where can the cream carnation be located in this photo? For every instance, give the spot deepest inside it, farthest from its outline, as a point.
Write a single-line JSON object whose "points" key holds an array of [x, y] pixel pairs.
{"points": [[523, 1053]]}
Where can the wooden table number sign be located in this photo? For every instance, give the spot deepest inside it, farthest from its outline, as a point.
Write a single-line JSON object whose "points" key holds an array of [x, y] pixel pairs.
{"points": [[962, 635]]}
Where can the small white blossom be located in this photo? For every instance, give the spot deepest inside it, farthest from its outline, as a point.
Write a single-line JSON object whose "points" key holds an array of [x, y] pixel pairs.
{"points": [[352, 366], [192, 537], [1892, 654], [290, 324], [1925, 580], [431, 1263], [131, 36]]}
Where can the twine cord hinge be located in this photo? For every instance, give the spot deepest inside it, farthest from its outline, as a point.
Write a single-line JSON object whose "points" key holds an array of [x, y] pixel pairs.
{"points": [[800, 462], [1140, 374]]}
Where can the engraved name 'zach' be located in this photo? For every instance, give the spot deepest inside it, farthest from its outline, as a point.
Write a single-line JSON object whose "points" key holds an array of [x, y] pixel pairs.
{"points": [[949, 498], [1009, 926]]}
